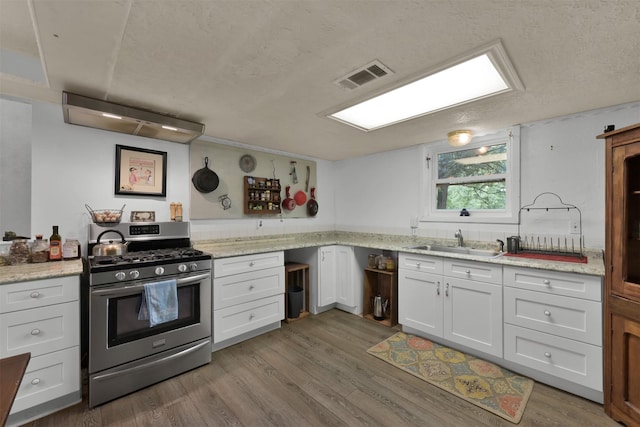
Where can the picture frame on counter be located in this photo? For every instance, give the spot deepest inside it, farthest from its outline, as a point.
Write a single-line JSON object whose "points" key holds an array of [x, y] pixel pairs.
{"points": [[140, 172], [143, 216]]}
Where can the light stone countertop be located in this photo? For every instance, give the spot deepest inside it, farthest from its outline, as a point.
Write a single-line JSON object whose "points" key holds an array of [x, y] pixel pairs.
{"points": [[245, 246], [39, 271]]}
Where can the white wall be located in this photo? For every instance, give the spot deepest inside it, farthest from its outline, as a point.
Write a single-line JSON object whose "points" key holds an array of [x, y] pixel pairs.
{"points": [[15, 166], [381, 192], [74, 165]]}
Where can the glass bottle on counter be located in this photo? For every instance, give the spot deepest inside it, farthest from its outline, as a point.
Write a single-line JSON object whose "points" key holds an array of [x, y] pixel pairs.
{"points": [[40, 249], [55, 245]]}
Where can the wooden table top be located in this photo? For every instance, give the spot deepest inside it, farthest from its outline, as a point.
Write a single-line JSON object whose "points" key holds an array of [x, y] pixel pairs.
{"points": [[11, 372]]}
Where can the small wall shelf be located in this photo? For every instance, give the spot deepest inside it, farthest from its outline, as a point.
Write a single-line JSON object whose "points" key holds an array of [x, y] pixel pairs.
{"points": [[385, 284], [261, 196], [296, 274]]}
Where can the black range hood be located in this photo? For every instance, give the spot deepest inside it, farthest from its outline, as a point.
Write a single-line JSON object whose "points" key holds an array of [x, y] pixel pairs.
{"points": [[96, 113]]}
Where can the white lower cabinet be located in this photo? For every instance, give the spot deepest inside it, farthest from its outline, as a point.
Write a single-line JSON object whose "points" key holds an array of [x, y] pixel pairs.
{"points": [[42, 317], [553, 324], [547, 324], [248, 294], [420, 301], [473, 314], [336, 278], [465, 311]]}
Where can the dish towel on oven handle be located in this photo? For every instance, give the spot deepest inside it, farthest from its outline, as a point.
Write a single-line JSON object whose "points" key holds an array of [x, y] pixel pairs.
{"points": [[159, 302]]}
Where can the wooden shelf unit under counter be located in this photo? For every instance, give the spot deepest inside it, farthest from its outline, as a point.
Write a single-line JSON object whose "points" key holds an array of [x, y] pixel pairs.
{"points": [[385, 284], [296, 274]]}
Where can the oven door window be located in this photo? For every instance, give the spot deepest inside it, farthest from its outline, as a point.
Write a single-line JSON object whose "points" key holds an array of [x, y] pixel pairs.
{"points": [[124, 325]]}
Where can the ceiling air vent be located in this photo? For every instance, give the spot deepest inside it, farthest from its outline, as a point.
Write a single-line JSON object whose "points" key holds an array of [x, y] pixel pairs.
{"points": [[362, 75]]}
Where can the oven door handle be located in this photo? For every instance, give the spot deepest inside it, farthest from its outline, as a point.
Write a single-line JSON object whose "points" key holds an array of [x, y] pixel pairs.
{"points": [[180, 282], [167, 359]]}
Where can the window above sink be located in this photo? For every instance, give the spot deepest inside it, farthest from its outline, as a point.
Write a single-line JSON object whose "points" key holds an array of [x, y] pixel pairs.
{"points": [[482, 177]]}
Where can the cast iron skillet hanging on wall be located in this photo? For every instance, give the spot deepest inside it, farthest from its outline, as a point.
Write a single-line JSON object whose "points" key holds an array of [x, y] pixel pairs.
{"points": [[205, 180]]}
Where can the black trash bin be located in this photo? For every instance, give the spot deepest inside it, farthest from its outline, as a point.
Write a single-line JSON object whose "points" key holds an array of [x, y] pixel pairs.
{"points": [[296, 298]]}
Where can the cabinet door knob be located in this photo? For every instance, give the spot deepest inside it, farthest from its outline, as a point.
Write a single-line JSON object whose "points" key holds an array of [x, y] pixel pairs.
{"points": [[251, 316], [547, 355], [35, 381], [35, 294], [35, 332], [468, 272], [417, 264], [547, 313], [546, 281], [251, 286], [251, 264], [446, 290]]}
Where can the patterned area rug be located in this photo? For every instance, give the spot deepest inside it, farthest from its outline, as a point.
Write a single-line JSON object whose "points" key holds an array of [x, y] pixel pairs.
{"points": [[484, 384]]}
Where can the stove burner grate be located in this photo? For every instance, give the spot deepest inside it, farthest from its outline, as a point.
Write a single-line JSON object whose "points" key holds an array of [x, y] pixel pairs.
{"points": [[146, 256]]}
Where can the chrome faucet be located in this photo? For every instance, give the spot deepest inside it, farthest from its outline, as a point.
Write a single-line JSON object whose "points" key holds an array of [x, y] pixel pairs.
{"points": [[459, 236]]}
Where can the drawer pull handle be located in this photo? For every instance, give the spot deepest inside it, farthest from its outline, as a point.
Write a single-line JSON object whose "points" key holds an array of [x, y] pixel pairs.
{"points": [[251, 286], [251, 316], [468, 272], [547, 313], [546, 281], [35, 381], [446, 290], [417, 264], [34, 294], [547, 355], [438, 288], [35, 332], [251, 264]]}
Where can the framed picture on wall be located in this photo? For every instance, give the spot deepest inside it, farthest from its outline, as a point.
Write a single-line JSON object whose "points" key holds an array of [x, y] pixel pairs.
{"points": [[140, 172]]}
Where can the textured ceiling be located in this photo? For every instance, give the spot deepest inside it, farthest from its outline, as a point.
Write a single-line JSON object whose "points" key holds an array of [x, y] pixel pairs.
{"points": [[261, 72]]}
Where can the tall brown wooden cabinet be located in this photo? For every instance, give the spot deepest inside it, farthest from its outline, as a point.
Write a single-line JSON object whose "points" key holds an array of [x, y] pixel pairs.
{"points": [[622, 276]]}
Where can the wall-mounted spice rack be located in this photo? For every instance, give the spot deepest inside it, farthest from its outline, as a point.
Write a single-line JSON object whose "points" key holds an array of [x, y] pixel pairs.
{"points": [[261, 196]]}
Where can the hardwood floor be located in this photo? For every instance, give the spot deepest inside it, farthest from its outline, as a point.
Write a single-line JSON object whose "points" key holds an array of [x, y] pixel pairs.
{"points": [[314, 372]]}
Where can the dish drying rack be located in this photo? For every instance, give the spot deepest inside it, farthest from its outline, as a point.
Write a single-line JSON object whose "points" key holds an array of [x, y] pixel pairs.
{"points": [[551, 245]]}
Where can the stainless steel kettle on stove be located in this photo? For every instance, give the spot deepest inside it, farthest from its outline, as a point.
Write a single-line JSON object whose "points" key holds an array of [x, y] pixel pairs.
{"points": [[379, 307]]}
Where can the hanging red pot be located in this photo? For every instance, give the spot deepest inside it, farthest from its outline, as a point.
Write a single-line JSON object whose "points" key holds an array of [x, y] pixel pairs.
{"points": [[288, 204]]}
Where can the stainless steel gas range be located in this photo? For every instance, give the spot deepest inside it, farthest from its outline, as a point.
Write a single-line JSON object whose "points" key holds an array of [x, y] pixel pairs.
{"points": [[125, 353]]}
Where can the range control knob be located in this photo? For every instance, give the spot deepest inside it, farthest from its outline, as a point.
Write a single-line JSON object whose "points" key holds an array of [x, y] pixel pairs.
{"points": [[134, 274], [159, 271], [182, 268], [120, 275], [193, 266]]}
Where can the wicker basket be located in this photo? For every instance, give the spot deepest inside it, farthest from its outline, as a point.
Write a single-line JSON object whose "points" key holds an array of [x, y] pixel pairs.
{"points": [[105, 217]]}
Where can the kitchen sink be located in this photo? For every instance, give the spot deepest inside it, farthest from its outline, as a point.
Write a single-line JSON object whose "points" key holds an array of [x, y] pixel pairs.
{"points": [[456, 250]]}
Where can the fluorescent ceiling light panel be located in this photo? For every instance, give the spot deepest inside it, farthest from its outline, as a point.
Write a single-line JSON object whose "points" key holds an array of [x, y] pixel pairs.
{"points": [[470, 80]]}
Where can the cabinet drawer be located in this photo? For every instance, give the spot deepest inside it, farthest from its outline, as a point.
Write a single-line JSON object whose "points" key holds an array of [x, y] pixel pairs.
{"points": [[239, 319], [48, 377], [422, 263], [40, 330], [240, 288], [571, 360], [246, 263], [472, 270], [38, 293], [567, 317], [554, 282]]}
